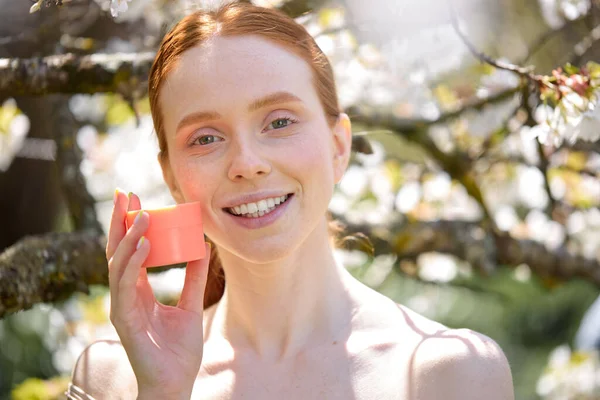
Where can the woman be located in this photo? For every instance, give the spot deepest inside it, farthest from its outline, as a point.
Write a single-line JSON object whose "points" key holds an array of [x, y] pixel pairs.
{"points": [[245, 108]]}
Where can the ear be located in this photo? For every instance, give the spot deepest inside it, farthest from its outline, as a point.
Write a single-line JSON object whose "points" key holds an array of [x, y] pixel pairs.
{"points": [[170, 180], [342, 146]]}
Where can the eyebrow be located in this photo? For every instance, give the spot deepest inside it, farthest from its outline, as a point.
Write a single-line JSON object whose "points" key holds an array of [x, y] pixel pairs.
{"points": [[268, 100]]}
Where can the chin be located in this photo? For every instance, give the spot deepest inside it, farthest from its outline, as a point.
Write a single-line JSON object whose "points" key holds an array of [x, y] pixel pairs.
{"points": [[262, 251], [265, 251]]}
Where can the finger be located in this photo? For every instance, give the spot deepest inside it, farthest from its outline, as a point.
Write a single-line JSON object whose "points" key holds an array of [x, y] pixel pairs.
{"points": [[145, 289], [127, 286], [124, 252], [117, 224], [134, 202], [196, 275]]}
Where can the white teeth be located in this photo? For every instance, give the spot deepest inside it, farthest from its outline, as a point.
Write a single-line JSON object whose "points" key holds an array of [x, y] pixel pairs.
{"points": [[252, 208], [262, 205], [259, 208]]}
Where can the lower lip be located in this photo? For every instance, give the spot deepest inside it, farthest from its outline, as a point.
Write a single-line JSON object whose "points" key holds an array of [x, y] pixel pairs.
{"points": [[265, 220]]}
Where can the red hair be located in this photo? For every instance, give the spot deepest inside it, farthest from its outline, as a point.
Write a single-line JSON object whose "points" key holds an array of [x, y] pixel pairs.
{"points": [[236, 19]]}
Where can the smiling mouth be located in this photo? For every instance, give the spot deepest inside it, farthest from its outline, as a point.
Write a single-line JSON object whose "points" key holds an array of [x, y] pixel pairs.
{"points": [[260, 208]]}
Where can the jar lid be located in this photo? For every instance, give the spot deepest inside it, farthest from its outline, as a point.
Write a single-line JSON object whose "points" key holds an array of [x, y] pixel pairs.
{"points": [[175, 216]]}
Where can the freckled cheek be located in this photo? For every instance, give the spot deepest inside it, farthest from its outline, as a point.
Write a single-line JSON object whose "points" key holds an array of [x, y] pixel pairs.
{"points": [[311, 163], [196, 182]]}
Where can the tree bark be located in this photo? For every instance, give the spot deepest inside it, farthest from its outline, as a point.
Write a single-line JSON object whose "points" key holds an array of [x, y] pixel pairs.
{"points": [[49, 268], [69, 73]]}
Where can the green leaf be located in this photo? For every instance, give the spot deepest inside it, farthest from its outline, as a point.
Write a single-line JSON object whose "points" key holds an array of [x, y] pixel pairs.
{"points": [[38, 389], [393, 171], [329, 17], [8, 111], [594, 69], [118, 112], [30, 389], [445, 96], [571, 69]]}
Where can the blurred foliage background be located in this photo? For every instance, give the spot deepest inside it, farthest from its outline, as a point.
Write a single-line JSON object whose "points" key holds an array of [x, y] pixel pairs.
{"points": [[476, 171]]}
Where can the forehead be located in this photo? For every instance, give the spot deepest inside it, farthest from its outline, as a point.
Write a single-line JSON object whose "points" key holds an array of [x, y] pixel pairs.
{"points": [[228, 73]]}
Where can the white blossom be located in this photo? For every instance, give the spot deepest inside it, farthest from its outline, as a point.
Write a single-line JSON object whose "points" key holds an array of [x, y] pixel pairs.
{"points": [[550, 126], [35, 7], [556, 12], [436, 267], [573, 9], [570, 375], [575, 118], [587, 126], [408, 196], [13, 140], [118, 6]]}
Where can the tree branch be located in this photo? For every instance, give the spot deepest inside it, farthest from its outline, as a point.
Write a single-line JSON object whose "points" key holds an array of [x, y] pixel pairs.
{"points": [[297, 8], [558, 264], [457, 164], [538, 43], [585, 45], [525, 72], [69, 73], [552, 166], [81, 204], [469, 242], [50, 268], [411, 126]]}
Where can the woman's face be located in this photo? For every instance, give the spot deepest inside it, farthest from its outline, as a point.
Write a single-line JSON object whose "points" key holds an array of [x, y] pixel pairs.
{"points": [[247, 137]]}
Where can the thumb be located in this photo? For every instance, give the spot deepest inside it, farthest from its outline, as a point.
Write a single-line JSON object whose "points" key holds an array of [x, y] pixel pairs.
{"points": [[196, 275]]}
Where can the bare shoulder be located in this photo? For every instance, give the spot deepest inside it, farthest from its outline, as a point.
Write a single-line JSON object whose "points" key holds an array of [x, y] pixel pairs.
{"points": [[456, 363], [103, 371]]}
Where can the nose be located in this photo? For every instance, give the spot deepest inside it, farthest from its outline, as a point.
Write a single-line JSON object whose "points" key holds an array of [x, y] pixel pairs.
{"points": [[247, 161]]}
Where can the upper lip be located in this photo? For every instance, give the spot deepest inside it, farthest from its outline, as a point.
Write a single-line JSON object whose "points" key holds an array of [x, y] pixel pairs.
{"points": [[253, 198]]}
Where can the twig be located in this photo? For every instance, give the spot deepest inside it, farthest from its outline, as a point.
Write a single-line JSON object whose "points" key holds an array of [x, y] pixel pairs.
{"points": [[535, 46], [520, 160], [457, 164], [81, 204], [468, 241], [491, 140], [409, 126], [544, 163], [584, 45], [526, 72]]}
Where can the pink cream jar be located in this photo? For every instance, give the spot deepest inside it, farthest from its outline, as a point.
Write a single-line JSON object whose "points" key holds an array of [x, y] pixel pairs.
{"points": [[175, 234]]}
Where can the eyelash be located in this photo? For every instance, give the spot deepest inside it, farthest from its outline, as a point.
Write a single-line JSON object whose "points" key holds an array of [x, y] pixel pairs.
{"points": [[289, 119]]}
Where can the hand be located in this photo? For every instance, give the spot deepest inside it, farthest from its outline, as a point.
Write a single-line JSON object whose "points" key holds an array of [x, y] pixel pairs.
{"points": [[164, 344]]}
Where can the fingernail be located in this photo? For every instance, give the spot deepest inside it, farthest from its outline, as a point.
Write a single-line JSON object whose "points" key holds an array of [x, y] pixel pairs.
{"points": [[129, 195], [115, 196], [140, 242], [137, 217]]}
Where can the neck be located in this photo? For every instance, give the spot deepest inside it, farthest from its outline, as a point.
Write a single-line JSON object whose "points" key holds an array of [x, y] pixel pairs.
{"points": [[280, 308]]}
